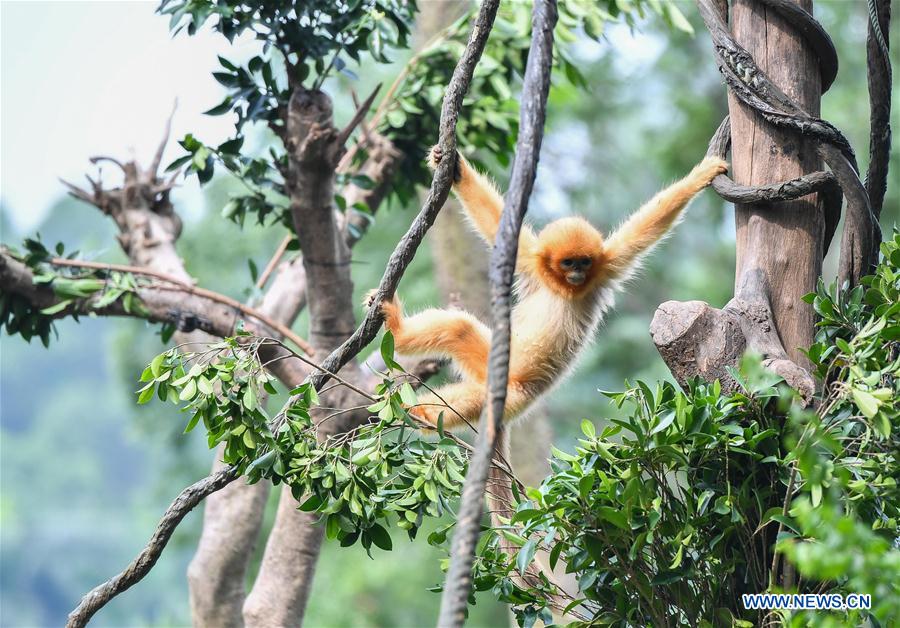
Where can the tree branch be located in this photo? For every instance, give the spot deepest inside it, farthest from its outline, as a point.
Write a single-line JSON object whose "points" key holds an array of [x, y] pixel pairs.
{"points": [[163, 304], [879, 78], [98, 597], [536, 86], [192, 289]]}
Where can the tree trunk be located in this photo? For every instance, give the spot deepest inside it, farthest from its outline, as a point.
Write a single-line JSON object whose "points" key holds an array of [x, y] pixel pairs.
{"points": [[779, 245], [785, 241], [281, 591]]}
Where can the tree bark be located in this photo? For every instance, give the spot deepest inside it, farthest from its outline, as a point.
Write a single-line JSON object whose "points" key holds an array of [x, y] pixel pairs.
{"points": [[785, 241], [281, 591]]}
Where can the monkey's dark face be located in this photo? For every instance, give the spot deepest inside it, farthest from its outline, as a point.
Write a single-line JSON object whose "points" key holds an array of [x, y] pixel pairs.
{"points": [[570, 251], [576, 269]]}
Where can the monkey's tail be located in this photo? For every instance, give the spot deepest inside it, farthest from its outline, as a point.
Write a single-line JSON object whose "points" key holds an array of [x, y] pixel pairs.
{"points": [[501, 504]]}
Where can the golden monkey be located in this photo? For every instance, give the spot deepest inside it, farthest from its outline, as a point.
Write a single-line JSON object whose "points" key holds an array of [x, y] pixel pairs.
{"points": [[566, 277]]}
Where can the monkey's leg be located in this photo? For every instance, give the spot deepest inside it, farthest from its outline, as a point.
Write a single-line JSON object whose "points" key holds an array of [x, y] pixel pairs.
{"points": [[652, 221], [461, 403], [458, 335]]}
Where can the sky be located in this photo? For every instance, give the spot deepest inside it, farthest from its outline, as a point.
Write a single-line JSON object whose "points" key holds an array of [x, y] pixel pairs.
{"points": [[92, 78]]}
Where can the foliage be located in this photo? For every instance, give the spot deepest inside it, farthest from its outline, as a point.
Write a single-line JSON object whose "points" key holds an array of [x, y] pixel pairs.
{"points": [[489, 118], [642, 108], [79, 290], [362, 482], [665, 517], [409, 113]]}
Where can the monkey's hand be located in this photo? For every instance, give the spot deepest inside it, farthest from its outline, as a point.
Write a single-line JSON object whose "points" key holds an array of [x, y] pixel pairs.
{"points": [[436, 154], [703, 173]]}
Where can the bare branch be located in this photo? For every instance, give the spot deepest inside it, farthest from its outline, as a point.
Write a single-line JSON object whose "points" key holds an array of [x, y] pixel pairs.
{"points": [[361, 112], [273, 263], [98, 597], [96, 159], [153, 170]]}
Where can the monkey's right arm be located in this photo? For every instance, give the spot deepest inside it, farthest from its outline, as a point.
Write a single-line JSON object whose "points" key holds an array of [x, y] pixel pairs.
{"points": [[482, 201]]}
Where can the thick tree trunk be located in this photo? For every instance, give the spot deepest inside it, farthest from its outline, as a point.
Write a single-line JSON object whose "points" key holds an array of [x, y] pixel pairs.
{"points": [[779, 245], [281, 591], [785, 242]]}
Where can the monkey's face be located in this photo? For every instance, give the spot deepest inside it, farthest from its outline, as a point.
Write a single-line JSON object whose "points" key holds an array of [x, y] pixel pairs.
{"points": [[570, 251], [576, 269]]}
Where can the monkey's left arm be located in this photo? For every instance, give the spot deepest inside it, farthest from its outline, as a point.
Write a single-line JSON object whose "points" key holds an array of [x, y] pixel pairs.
{"points": [[652, 221]]}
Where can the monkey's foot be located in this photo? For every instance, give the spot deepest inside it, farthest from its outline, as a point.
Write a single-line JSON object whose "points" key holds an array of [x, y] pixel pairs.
{"points": [[369, 298], [436, 154]]}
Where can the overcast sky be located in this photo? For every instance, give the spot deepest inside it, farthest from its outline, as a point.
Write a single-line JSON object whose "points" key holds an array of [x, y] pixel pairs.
{"points": [[87, 78]]}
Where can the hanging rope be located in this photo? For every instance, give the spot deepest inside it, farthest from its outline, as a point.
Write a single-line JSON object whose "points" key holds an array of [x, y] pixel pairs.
{"points": [[753, 88]]}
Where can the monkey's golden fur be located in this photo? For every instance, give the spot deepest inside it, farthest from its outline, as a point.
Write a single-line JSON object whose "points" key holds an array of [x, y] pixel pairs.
{"points": [[567, 275]]}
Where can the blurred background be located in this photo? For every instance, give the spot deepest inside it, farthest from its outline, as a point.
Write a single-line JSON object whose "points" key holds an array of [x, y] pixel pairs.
{"points": [[85, 473]]}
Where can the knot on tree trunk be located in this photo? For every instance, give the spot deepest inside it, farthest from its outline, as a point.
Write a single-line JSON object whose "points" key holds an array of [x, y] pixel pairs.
{"points": [[697, 340]]}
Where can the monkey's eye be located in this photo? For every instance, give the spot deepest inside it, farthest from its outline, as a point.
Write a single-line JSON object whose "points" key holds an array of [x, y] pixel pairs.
{"points": [[585, 262], [567, 263]]}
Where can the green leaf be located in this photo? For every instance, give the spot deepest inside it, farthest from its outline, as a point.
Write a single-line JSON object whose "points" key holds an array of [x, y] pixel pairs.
{"points": [[380, 537], [678, 20], [525, 555], [263, 462], [407, 394], [146, 394], [588, 429], [332, 527], [615, 517], [189, 391], [55, 309], [387, 351], [311, 504], [156, 364], [222, 107], [193, 422], [867, 403], [249, 398]]}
